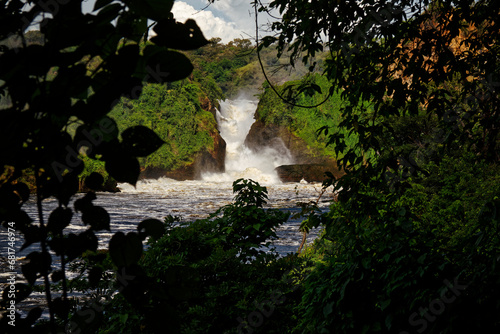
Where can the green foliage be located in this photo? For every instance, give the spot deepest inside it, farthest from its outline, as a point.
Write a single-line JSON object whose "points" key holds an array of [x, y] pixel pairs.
{"points": [[414, 234], [92, 167], [220, 63], [310, 124], [215, 271], [178, 118], [390, 256], [71, 74]]}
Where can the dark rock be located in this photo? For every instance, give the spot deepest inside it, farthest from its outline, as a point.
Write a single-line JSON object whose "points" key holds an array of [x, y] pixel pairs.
{"points": [[261, 135], [110, 185], [308, 172]]}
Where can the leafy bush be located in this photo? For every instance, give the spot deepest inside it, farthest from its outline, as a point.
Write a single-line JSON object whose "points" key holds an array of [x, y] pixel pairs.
{"points": [[422, 260], [216, 272]]}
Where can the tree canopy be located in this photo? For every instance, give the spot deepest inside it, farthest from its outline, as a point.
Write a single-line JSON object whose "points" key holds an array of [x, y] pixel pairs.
{"points": [[418, 208], [74, 72], [405, 56], [410, 245]]}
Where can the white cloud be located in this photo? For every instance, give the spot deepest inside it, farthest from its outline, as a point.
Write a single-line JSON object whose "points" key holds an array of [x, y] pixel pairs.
{"points": [[227, 19], [210, 25]]}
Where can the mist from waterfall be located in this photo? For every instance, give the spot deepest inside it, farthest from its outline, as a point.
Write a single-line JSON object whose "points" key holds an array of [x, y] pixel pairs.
{"points": [[234, 119]]}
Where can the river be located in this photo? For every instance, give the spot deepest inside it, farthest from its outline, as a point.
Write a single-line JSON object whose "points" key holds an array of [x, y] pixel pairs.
{"points": [[191, 200]]}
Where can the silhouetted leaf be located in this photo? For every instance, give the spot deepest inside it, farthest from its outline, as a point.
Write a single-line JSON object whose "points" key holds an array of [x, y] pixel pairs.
{"points": [[32, 234], [109, 13], [9, 199], [124, 249], [61, 307], [33, 315], [139, 141], [132, 26], [22, 291], [119, 64], [123, 168], [151, 227], [22, 190], [85, 202], [97, 217], [73, 245], [162, 65], [94, 135], [88, 240], [21, 219], [94, 181], [101, 3], [59, 219], [57, 275], [180, 36], [153, 9], [65, 188], [95, 274], [36, 265]]}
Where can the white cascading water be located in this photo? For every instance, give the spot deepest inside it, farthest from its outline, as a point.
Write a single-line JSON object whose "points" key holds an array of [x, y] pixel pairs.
{"points": [[235, 118]]}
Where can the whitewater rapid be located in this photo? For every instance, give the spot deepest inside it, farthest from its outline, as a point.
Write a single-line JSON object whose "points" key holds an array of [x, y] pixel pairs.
{"points": [[235, 119], [197, 199]]}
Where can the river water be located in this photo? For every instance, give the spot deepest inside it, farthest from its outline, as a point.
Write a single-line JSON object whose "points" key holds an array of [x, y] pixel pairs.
{"points": [[196, 199], [191, 200]]}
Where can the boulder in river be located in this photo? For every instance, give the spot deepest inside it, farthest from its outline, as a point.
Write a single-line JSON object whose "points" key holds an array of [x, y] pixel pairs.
{"points": [[307, 172]]}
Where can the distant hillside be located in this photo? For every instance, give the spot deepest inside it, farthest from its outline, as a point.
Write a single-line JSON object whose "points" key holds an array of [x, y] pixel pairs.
{"points": [[235, 67]]}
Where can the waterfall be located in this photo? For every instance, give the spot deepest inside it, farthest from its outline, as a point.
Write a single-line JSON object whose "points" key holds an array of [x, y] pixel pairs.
{"points": [[235, 118]]}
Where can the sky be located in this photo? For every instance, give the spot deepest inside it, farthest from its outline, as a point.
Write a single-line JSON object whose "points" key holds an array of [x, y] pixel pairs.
{"points": [[227, 19]]}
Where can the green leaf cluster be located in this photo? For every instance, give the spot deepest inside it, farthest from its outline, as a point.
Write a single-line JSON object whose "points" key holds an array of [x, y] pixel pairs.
{"points": [[208, 273], [58, 86]]}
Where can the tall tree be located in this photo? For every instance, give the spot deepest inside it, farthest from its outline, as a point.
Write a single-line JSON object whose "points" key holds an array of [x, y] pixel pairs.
{"points": [[74, 72], [405, 56], [417, 212]]}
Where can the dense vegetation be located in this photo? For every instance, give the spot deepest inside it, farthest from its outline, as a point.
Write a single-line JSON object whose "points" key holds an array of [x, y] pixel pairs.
{"points": [[180, 111], [305, 123], [210, 275], [411, 245], [174, 112]]}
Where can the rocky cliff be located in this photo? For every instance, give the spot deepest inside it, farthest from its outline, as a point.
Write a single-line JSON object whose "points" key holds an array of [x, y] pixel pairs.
{"points": [[309, 165]]}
